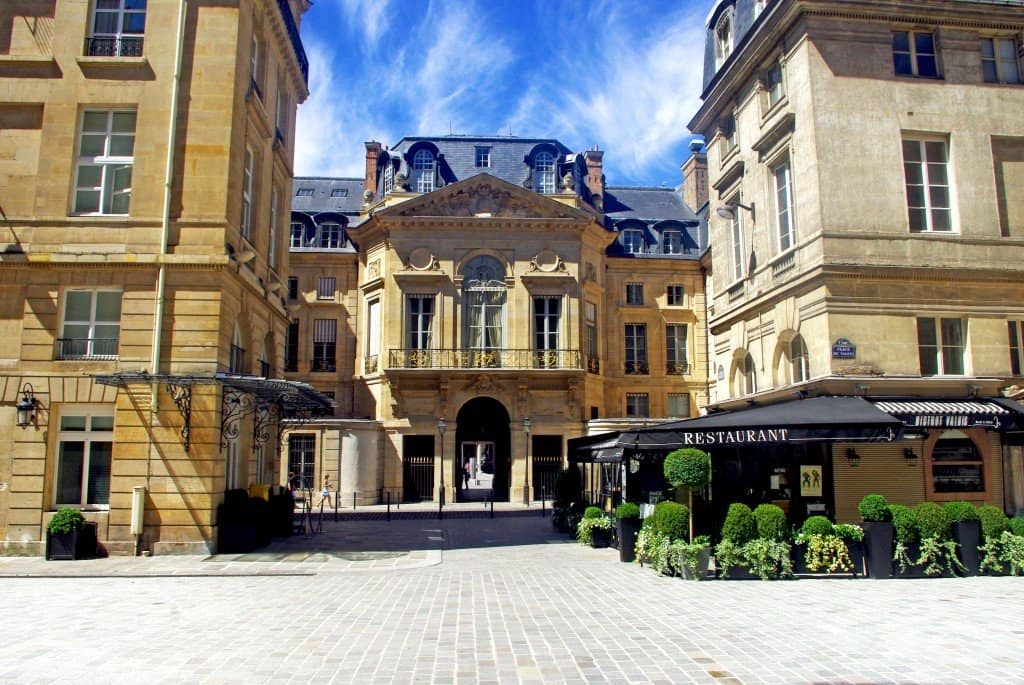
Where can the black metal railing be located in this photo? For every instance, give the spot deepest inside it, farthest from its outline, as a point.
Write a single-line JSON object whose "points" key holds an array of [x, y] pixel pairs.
{"points": [[637, 368], [677, 368], [484, 359], [113, 46], [87, 348], [293, 36], [324, 365]]}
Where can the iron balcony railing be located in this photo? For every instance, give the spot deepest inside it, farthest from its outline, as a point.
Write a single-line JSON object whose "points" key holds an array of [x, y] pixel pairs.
{"points": [[113, 46], [484, 359], [293, 36], [637, 368], [677, 368], [87, 348], [323, 365]]}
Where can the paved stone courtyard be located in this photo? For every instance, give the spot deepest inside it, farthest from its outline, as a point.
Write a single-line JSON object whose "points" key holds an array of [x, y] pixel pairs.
{"points": [[480, 600]]}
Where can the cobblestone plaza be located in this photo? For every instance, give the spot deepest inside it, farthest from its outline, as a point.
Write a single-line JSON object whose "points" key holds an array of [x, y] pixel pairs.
{"points": [[480, 600]]}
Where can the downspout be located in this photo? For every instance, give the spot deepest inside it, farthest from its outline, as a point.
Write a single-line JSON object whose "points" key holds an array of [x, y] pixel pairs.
{"points": [[165, 226]]}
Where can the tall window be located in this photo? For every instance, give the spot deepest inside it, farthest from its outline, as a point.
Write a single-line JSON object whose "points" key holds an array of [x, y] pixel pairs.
{"points": [[723, 39], [590, 322], [372, 335], [636, 348], [637, 405], [773, 84], [326, 287], [1016, 329], [483, 156], [293, 287], [544, 172], [84, 447], [91, 326], [940, 345], [672, 242], [291, 347], [423, 170], [634, 293], [298, 231], [546, 315], [236, 363], [633, 240], [389, 177], [729, 133], [485, 294], [331, 236], [675, 349], [925, 169], [421, 322], [748, 376], [106, 153], [799, 359], [678, 405], [913, 54], [117, 28], [1000, 61], [255, 67], [282, 110], [274, 219], [736, 241], [301, 456], [783, 205], [325, 338], [675, 295], [247, 186]]}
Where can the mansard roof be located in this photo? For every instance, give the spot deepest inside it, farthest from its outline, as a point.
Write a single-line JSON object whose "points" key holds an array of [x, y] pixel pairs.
{"points": [[319, 194]]}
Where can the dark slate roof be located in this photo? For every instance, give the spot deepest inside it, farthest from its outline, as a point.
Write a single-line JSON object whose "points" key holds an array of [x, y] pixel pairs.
{"points": [[340, 195], [507, 154], [648, 204], [744, 18]]}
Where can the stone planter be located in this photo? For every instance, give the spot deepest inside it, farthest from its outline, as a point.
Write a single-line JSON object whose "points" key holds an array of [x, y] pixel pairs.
{"points": [[967, 535], [878, 547], [628, 529], [600, 537]]}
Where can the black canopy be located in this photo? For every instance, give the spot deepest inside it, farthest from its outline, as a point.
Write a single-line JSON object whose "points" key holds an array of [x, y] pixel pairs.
{"points": [[807, 420]]}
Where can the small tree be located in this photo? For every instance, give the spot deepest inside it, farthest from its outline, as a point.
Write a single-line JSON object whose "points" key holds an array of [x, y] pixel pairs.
{"points": [[689, 468]]}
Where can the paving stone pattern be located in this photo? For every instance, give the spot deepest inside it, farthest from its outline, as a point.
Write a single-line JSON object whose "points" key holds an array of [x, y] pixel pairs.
{"points": [[479, 600]]}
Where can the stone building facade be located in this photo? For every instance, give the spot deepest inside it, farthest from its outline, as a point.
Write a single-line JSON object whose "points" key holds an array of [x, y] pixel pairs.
{"points": [[865, 161], [145, 176], [486, 299]]}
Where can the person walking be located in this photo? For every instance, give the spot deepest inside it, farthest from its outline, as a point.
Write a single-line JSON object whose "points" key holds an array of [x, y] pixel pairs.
{"points": [[325, 496], [465, 475]]}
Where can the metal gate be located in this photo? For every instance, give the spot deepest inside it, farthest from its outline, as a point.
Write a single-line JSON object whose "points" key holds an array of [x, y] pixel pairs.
{"points": [[418, 478], [545, 471]]}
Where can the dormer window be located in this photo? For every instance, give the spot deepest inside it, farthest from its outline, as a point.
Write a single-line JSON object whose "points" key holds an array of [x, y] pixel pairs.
{"points": [[339, 192], [723, 39], [672, 242], [389, 178], [483, 157], [304, 192], [544, 173], [423, 171], [633, 240]]}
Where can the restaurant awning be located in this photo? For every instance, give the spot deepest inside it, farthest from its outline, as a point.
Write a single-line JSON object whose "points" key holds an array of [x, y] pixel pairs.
{"points": [[994, 414], [847, 419]]}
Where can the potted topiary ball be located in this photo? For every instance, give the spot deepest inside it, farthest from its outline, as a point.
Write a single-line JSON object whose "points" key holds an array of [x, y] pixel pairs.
{"points": [[62, 534], [879, 534], [689, 468], [627, 517], [739, 528], [966, 531]]}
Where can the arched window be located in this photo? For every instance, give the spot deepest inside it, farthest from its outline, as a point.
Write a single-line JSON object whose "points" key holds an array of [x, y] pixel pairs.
{"points": [[237, 362], [423, 170], [633, 240], [484, 297], [544, 172], [957, 466], [798, 359], [723, 38], [749, 376]]}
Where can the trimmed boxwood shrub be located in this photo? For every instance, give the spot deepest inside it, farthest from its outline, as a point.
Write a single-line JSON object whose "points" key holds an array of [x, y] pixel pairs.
{"points": [[874, 508], [627, 510], [740, 526], [932, 521], [592, 513], [688, 468], [817, 525], [1016, 525], [905, 524], [672, 519], [960, 511], [66, 520], [993, 521], [771, 522]]}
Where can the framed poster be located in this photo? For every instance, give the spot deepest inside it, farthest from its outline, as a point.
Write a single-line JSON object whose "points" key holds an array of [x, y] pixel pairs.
{"points": [[810, 481]]}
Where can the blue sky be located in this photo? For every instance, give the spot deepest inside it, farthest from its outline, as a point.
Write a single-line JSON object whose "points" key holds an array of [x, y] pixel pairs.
{"points": [[620, 74]]}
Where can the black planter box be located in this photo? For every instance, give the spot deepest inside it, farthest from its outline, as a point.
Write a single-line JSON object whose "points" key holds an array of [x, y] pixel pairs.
{"points": [[878, 547], [854, 549], [910, 570], [967, 535], [628, 529], [738, 573], [600, 537], [78, 544]]}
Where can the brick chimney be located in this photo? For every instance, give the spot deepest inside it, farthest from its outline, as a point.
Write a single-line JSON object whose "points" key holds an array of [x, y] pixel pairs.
{"points": [[372, 153], [595, 171], [695, 176]]}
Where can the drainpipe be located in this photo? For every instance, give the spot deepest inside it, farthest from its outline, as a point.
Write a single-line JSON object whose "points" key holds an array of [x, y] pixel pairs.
{"points": [[165, 226]]}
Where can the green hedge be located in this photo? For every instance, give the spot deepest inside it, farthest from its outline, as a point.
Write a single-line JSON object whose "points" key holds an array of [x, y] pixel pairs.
{"points": [[771, 522], [817, 525], [672, 519], [874, 508], [740, 526], [932, 521], [905, 524], [960, 511]]}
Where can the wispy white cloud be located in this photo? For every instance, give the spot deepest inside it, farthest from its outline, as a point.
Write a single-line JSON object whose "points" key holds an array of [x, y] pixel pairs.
{"points": [[369, 15]]}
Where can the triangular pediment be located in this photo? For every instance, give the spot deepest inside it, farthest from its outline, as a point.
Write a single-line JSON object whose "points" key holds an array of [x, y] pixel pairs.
{"points": [[484, 196]]}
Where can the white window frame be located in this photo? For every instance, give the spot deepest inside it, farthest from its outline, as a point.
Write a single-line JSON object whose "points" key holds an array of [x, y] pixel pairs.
{"points": [[248, 171], [424, 164], [482, 157], [672, 405], [748, 375], [926, 171], [675, 295], [547, 327], [90, 350], [799, 360], [774, 84], [1004, 68], [672, 241], [372, 329], [127, 43], [633, 241], [736, 242], [544, 173], [297, 235], [89, 436], [723, 38], [634, 293], [420, 315], [914, 56], [330, 235], [677, 354], [944, 352], [389, 178], [112, 165], [785, 227]]}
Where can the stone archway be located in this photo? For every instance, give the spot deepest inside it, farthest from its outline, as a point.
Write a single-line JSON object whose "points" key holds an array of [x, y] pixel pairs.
{"points": [[483, 443]]}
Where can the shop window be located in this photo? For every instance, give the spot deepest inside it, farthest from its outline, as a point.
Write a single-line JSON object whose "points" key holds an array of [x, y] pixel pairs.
{"points": [[957, 466]]}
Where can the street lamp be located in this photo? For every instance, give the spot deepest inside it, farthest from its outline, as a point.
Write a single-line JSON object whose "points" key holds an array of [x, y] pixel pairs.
{"points": [[27, 406], [440, 429], [526, 475]]}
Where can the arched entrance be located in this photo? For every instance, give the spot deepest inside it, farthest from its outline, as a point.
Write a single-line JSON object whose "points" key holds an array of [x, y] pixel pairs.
{"points": [[482, 448]]}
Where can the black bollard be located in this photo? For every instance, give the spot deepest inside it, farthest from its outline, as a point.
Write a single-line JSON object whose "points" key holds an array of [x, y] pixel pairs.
{"points": [[389, 505]]}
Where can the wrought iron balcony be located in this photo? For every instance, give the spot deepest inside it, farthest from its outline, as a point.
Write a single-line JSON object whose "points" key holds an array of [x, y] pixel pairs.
{"points": [[484, 359], [323, 365], [113, 46], [593, 365], [677, 368], [87, 348], [293, 36], [637, 368]]}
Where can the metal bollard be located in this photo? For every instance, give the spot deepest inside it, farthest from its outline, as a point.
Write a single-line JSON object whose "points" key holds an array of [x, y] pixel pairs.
{"points": [[543, 497], [389, 505], [492, 503], [440, 509]]}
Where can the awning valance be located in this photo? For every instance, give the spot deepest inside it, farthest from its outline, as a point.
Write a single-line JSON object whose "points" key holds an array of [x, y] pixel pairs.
{"points": [[994, 414]]}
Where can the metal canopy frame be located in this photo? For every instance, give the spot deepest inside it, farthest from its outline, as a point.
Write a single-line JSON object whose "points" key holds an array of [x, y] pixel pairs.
{"points": [[268, 400]]}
